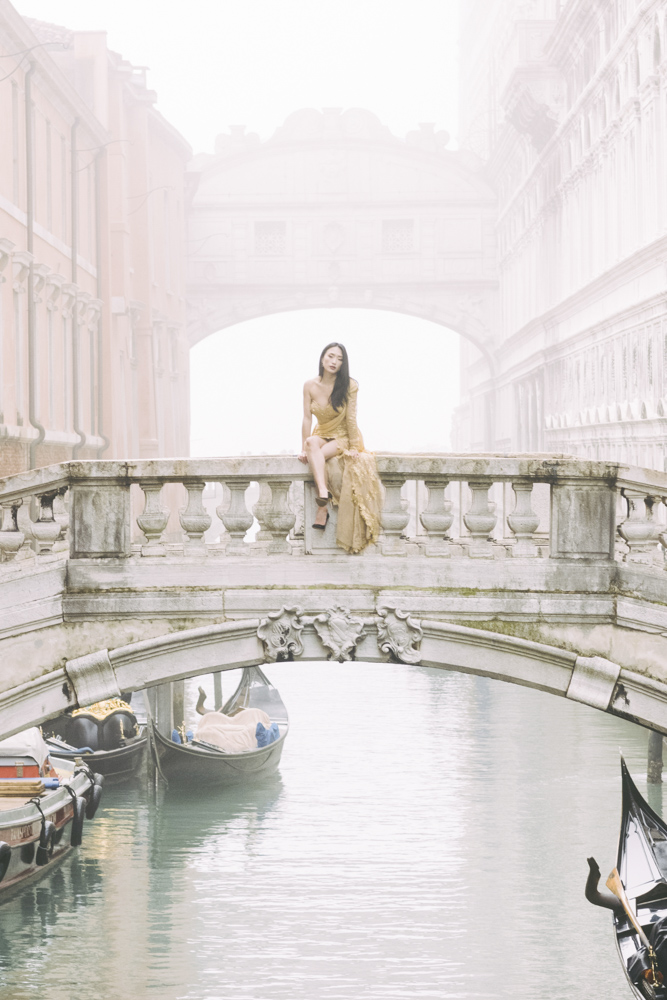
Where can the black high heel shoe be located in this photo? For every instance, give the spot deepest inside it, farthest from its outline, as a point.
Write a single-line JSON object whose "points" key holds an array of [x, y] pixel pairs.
{"points": [[323, 504]]}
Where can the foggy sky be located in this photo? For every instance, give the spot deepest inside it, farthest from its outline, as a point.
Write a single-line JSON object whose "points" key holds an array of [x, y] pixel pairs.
{"points": [[253, 62]]}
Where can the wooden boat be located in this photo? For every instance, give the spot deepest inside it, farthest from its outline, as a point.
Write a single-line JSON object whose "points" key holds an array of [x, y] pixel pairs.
{"points": [[39, 825], [639, 904], [202, 764], [107, 736]]}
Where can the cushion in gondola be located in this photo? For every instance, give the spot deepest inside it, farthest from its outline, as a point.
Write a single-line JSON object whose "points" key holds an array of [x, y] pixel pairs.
{"points": [[266, 736]]}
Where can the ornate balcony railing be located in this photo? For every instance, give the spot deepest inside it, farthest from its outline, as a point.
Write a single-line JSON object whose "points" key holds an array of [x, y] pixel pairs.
{"points": [[437, 505]]}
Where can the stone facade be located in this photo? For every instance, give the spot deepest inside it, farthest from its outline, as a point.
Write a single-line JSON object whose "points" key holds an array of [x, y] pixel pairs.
{"points": [[93, 352], [566, 104]]}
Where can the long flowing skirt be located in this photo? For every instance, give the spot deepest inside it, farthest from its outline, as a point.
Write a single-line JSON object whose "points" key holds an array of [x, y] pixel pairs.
{"points": [[357, 492]]}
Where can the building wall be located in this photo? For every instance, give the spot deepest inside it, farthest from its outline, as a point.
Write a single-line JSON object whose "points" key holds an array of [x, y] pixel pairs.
{"points": [[104, 371], [567, 104]]}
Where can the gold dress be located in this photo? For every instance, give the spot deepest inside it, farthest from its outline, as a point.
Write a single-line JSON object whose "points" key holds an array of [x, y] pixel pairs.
{"points": [[352, 479]]}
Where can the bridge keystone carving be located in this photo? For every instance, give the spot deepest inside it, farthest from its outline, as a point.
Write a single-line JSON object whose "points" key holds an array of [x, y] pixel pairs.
{"points": [[340, 633]]}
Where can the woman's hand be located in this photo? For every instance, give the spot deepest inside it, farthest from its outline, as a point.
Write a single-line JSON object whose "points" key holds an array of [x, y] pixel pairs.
{"points": [[353, 453], [303, 458]]}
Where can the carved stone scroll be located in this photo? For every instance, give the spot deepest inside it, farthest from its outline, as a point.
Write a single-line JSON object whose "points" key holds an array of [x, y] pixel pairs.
{"points": [[281, 634], [399, 635], [340, 633]]}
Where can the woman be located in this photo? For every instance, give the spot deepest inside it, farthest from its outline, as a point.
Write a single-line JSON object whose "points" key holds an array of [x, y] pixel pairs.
{"points": [[332, 399]]}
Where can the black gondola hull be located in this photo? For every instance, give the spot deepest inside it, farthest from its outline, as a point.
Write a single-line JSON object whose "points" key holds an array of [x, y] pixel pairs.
{"points": [[117, 766], [185, 765], [642, 868]]}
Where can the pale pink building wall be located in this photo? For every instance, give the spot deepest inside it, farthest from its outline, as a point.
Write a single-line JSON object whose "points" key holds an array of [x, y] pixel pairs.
{"points": [[123, 301]]}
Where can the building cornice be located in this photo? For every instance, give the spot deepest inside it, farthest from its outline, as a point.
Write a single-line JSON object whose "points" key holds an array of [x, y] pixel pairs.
{"points": [[652, 255], [60, 90]]}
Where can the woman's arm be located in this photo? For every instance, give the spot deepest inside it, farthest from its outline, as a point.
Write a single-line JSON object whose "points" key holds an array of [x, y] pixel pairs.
{"points": [[353, 432], [306, 423]]}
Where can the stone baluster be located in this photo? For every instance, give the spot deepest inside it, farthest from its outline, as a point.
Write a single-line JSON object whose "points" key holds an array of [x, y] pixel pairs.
{"points": [[639, 531], [11, 539], [480, 520], [298, 505], [437, 518], [45, 530], [523, 521], [394, 517], [236, 517], [61, 512], [260, 510], [279, 518], [153, 520], [194, 519]]}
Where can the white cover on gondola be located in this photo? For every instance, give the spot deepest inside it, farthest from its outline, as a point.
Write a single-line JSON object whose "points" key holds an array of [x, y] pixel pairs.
{"points": [[235, 734], [28, 743]]}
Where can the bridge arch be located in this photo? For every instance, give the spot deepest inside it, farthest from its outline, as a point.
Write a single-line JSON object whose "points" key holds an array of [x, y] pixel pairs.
{"points": [[392, 636]]}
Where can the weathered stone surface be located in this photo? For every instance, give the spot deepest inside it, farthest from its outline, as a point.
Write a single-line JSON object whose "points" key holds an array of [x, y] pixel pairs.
{"points": [[578, 602], [339, 632], [281, 634], [593, 681], [99, 520], [399, 635], [92, 677]]}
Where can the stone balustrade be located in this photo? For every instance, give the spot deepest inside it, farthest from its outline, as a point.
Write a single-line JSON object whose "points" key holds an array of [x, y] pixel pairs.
{"points": [[439, 506]]}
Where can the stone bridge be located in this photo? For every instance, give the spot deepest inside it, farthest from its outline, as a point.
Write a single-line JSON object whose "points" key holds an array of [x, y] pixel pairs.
{"points": [[541, 570], [334, 211]]}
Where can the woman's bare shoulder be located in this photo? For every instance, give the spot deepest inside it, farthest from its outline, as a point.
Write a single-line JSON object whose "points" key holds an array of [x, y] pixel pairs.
{"points": [[311, 383]]}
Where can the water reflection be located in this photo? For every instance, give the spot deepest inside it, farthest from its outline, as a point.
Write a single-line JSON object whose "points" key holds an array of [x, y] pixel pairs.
{"points": [[427, 837], [654, 797]]}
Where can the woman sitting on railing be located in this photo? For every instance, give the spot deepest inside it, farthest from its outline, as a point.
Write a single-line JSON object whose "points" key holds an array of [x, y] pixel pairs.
{"points": [[331, 398]]}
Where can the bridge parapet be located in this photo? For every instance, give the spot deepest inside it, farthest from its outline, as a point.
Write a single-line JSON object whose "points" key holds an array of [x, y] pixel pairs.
{"points": [[457, 506]]}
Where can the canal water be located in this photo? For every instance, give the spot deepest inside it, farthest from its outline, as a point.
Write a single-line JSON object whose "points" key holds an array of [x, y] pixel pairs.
{"points": [[427, 838]]}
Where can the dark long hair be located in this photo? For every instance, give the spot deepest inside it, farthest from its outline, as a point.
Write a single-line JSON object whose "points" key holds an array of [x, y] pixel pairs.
{"points": [[342, 383]]}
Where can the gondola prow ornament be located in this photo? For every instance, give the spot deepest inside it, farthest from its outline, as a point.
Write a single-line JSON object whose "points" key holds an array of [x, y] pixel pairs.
{"points": [[638, 894]]}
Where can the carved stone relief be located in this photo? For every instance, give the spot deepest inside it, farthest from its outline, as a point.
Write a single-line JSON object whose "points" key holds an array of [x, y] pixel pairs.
{"points": [[340, 633], [399, 635], [281, 634]]}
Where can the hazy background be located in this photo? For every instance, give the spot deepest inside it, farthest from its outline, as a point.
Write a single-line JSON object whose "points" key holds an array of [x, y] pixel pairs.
{"points": [[219, 62]]}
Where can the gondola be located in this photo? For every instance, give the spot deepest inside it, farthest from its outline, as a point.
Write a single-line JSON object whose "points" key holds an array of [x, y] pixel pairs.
{"points": [[107, 736], [43, 808], [196, 763], [638, 896]]}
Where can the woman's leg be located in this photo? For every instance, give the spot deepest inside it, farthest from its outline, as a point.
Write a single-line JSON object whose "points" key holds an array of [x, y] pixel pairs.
{"points": [[318, 451]]}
